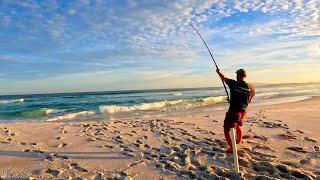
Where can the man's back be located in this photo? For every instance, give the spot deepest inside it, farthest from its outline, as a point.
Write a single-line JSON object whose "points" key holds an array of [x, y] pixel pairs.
{"points": [[241, 94]]}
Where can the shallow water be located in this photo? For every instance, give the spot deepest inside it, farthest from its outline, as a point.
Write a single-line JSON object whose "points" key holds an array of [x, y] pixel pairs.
{"points": [[124, 104]]}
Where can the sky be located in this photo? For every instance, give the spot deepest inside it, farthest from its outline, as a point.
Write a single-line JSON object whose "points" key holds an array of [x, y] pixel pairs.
{"points": [[52, 46]]}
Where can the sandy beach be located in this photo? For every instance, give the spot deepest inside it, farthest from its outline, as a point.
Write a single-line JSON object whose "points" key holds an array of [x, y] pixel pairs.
{"points": [[280, 142]]}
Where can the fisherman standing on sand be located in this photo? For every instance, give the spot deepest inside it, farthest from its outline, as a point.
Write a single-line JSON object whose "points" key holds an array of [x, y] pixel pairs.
{"points": [[241, 95]]}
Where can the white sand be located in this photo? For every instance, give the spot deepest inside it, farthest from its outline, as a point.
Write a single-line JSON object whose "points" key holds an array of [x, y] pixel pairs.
{"points": [[281, 141]]}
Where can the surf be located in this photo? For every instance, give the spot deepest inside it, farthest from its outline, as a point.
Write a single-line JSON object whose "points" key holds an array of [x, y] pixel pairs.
{"points": [[71, 116], [163, 105], [9, 101]]}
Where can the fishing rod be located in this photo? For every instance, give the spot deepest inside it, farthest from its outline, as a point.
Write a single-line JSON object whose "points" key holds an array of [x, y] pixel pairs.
{"points": [[225, 88]]}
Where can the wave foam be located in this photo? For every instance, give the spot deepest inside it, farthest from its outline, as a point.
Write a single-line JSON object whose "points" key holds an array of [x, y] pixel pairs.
{"points": [[176, 94], [40, 112], [52, 111], [162, 105], [71, 116], [214, 100], [142, 107], [270, 95], [8, 101]]}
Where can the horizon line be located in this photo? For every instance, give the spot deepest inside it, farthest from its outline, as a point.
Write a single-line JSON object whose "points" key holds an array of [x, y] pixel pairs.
{"points": [[149, 90]]}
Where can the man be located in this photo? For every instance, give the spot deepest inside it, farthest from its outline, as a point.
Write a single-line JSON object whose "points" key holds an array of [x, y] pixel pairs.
{"points": [[241, 94]]}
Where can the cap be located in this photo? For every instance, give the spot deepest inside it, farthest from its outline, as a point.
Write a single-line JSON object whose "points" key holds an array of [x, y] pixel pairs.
{"points": [[241, 72]]}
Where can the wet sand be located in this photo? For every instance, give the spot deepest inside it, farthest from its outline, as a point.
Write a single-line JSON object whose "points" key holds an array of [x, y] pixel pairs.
{"points": [[280, 142]]}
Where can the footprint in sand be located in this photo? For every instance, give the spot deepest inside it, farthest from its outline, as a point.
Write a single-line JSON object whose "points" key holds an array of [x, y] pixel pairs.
{"points": [[85, 125], [52, 172], [49, 158], [77, 167], [97, 176], [262, 156], [300, 175], [128, 154], [307, 161], [310, 139], [33, 144], [108, 146], [147, 146], [62, 157], [261, 166], [288, 136], [62, 145], [290, 173], [122, 175], [261, 137], [58, 138], [136, 144], [297, 149], [262, 147], [63, 131], [129, 134], [136, 163], [176, 138], [299, 131], [90, 139]]}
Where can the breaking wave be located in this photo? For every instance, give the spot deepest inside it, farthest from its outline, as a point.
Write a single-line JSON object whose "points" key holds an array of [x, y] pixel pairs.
{"points": [[51, 111], [162, 105], [214, 100], [176, 94], [270, 95], [40, 112], [71, 116], [8, 101]]}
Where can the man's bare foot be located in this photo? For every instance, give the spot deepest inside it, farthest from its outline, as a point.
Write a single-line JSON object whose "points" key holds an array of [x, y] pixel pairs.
{"points": [[229, 150]]}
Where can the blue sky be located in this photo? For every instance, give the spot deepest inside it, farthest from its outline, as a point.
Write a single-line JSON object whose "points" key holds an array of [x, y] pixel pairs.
{"points": [[91, 45]]}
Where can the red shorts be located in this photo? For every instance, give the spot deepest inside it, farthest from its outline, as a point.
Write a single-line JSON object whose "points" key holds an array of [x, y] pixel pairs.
{"points": [[233, 118]]}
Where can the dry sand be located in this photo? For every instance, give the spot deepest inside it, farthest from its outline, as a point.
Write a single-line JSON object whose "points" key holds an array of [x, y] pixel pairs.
{"points": [[280, 142]]}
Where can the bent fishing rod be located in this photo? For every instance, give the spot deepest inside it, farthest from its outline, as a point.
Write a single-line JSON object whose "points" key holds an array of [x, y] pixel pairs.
{"points": [[204, 42]]}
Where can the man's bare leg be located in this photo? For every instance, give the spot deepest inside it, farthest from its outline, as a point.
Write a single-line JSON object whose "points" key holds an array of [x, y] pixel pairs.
{"points": [[228, 139], [239, 132]]}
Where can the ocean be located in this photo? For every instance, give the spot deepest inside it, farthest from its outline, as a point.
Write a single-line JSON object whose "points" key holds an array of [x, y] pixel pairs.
{"points": [[86, 106]]}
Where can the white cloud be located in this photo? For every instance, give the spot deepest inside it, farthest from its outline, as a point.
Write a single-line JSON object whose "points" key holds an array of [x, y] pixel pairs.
{"points": [[72, 11], [314, 50]]}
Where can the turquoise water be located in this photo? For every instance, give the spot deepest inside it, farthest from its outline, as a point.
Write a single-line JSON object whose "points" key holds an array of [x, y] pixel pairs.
{"points": [[115, 104]]}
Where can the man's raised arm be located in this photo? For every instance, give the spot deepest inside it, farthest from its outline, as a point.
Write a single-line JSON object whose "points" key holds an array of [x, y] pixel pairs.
{"points": [[221, 76]]}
